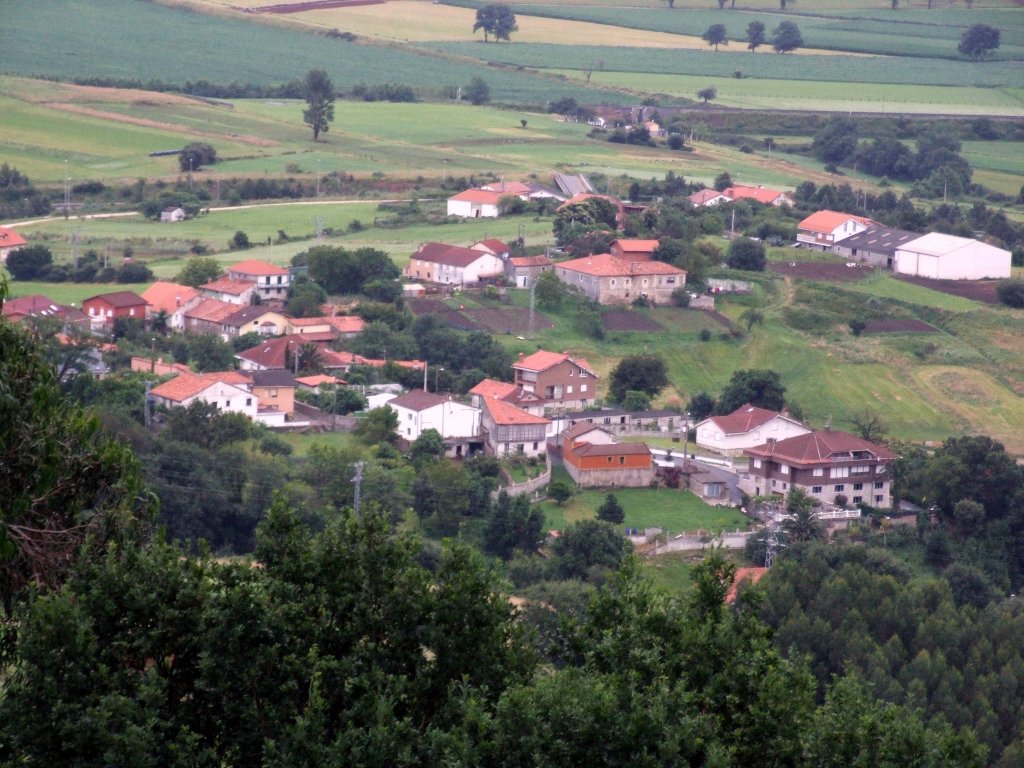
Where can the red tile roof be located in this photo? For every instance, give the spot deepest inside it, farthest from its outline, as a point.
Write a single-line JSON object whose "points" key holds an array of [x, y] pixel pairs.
{"points": [[186, 385], [482, 196], [168, 296], [316, 381], [347, 323], [271, 353], [702, 196], [10, 239], [509, 187], [212, 310], [229, 286], [530, 261], [637, 246], [504, 414], [606, 265], [493, 245], [827, 222], [500, 390], [576, 430], [743, 419], [611, 449], [540, 360], [257, 268], [821, 446], [36, 304], [760, 194], [452, 255]]}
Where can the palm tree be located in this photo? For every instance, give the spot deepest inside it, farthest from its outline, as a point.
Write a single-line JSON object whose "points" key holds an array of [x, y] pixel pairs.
{"points": [[803, 523], [159, 323]]}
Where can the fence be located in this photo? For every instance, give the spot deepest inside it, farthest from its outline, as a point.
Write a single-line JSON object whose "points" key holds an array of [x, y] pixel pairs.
{"points": [[528, 486]]}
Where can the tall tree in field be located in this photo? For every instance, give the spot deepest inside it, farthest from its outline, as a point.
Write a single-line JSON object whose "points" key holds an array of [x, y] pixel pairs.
{"points": [[755, 35], [716, 35], [496, 19], [787, 37], [642, 373], [319, 95]]}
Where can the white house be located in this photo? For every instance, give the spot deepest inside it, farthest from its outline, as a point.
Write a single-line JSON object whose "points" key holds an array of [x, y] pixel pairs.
{"points": [[227, 391], [746, 427], [946, 257], [419, 410], [172, 214], [271, 280], [453, 265], [707, 198], [824, 229], [476, 204]]}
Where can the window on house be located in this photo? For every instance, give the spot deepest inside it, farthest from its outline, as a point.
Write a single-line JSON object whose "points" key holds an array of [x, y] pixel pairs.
{"points": [[819, 472], [535, 446], [609, 459], [879, 486], [840, 472], [583, 387], [583, 374], [784, 469], [878, 499], [858, 499], [248, 401], [757, 463], [227, 403], [861, 469], [568, 389], [622, 459], [839, 488], [815, 489], [773, 483]]}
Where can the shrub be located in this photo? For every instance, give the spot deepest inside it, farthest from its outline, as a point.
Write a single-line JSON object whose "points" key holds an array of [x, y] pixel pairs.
{"points": [[1011, 293], [747, 254]]}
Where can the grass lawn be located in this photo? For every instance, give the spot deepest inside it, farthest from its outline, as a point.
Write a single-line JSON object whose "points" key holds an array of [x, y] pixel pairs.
{"points": [[885, 286], [69, 293], [301, 443], [674, 571], [671, 510]]}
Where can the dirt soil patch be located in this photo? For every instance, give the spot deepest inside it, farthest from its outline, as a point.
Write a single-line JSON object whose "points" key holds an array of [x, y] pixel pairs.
{"points": [[426, 306], [975, 290], [719, 317], [627, 320], [898, 325], [313, 5], [820, 270], [512, 320]]}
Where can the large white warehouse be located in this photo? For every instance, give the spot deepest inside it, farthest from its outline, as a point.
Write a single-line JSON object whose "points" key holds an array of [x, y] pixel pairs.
{"points": [[947, 257]]}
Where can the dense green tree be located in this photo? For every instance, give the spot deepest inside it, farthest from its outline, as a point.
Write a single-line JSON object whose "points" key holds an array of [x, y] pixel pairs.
{"points": [[318, 91], [205, 425], [429, 446], [378, 426], [707, 94], [747, 254], [514, 525], [478, 91], [305, 299], [195, 155], [762, 388], [560, 490], [199, 270], [979, 41], [611, 511], [339, 270], [755, 35], [495, 19], [636, 401], [587, 545], [786, 37], [802, 523], [715, 35], [1011, 293], [641, 373], [701, 406], [836, 140], [30, 262]]}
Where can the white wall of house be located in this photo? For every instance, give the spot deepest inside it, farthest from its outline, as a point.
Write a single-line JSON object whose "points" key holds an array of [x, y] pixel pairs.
{"points": [[472, 210], [711, 436], [227, 397], [450, 419]]}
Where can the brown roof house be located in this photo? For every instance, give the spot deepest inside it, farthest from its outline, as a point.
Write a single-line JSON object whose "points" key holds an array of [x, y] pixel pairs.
{"points": [[824, 229], [231, 290], [707, 198], [476, 204], [559, 380], [608, 279], [523, 271], [634, 250], [173, 299], [758, 194], [39, 306], [453, 265], [104, 309], [9, 240], [208, 316], [593, 458], [746, 427], [828, 464]]}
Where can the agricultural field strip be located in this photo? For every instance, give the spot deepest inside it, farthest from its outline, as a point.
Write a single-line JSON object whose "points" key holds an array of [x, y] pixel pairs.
{"points": [[725, 63], [822, 96], [232, 50], [912, 36]]}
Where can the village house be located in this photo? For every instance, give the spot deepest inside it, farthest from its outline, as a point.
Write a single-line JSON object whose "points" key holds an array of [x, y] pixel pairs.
{"points": [[593, 458], [523, 271], [228, 391], [609, 280], [560, 380], [457, 423], [493, 246], [311, 328], [453, 265], [829, 465], [758, 194], [707, 198], [173, 300], [821, 230], [237, 292], [172, 214], [947, 257], [9, 241], [314, 382], [253, 319], [507, 429], [271, 282], [875, 245], [616, 420], [106, 308], [43, 307], [275, 390], [346, 326], [476, 204], [207, 316], [509, 393], [746, 427]]}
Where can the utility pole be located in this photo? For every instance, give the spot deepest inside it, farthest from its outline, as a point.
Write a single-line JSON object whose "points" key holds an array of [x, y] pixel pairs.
{"points": [[533, 301], [318, 177], [75, 233], [426, 365], [149, 405], [358, 480], [67, 190], [190, 171]]}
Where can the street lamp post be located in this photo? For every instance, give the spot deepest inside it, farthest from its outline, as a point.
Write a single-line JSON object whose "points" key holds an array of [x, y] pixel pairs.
{"points": [[437, 373]]}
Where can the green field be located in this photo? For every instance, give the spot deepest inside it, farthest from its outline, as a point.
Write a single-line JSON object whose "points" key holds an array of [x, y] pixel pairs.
{"points": [[671, 510]]}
